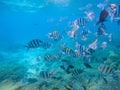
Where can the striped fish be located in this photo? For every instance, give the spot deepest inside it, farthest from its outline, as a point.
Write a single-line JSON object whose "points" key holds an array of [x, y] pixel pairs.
{"points": [[45, 74], [68, 87], [77, 72], [55, 35], [105, 69], [34, 44], [80, 48], [48, 57], [81, 22], [67, 51], [57, 57]]}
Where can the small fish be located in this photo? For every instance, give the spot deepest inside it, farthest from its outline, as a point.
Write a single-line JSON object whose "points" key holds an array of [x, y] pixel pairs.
{"points": [[55, 35], [87, 65], [34, 44], [77, 72], [81, 22], [48, 57], [102, 17], [80, 48], [46, 74], [68, 87], [106, 69], [67, 51], [57, 57]]}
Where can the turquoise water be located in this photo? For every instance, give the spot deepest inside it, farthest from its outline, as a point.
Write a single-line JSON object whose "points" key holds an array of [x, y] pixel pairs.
{"points": [[22, 60]]}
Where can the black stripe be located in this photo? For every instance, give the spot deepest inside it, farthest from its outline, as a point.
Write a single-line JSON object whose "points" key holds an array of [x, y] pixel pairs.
{"points": [[80, 21], [107, 69], [32, 44], [77, 71], [37, 43]]}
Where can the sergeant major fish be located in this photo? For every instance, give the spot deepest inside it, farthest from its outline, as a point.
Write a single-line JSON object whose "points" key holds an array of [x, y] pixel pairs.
{"points": [[34, 44], [81, 22], [105, 69], [77, 72], [46, 74], [55, 35], [48, 57], [80, 48]]}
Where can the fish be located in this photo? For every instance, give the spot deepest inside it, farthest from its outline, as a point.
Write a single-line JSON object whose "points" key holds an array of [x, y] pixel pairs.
{"points": [[48, 57], [102, 17], [80, 48], [36, 43], [46, 74], [55, 35], [87, 65], [67, 51], [57, 57], [68, 87], [106, 69], [81, 22], [77, 72]]}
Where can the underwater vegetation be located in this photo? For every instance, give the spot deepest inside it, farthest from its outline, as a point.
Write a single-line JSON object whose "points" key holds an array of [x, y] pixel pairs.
{"points": [[14, 72]]}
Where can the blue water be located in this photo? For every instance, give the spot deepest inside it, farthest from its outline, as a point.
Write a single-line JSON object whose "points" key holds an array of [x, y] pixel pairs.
{"points": [[24, 20]]}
